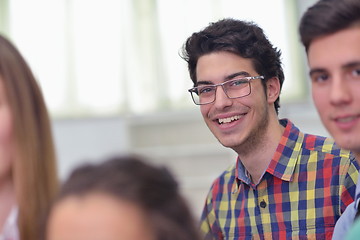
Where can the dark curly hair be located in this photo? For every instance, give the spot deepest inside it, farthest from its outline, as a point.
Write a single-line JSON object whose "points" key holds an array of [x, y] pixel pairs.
{"points": [[242, 38]]}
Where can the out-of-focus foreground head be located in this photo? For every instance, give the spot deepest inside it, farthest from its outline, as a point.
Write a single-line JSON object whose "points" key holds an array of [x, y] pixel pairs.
{"points": [[330, 32], [327, 17], [122, 198]]}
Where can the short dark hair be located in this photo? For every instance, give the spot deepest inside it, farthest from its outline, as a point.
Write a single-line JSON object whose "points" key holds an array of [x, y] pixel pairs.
{"points": [[326, 17], [152, 188], [242, 38]]}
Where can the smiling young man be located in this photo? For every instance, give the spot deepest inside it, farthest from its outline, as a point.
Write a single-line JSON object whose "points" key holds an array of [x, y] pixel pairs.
{"points": [[330, 32], [285, 184]]}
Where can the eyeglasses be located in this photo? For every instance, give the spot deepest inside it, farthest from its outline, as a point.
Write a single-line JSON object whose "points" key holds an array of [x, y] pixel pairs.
{"points": [[235, 88]]}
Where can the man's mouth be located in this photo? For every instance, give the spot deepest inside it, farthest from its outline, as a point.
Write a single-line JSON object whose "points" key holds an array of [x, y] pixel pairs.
{"points": [[229, 119], [346, 119]]}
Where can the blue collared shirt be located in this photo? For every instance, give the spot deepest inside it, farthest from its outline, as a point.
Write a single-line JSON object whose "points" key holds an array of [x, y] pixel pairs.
{"points": [[346, 220]]}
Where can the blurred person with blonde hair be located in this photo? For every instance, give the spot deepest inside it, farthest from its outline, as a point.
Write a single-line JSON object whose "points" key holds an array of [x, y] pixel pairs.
{"points": [[28, 177]]}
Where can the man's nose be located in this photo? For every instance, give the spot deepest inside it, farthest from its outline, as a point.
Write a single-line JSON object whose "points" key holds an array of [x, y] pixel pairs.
{"points": [[221, 99], [340, 92]]}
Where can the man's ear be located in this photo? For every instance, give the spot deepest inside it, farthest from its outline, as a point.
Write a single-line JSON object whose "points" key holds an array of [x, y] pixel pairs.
{"points": [[273, 89]]}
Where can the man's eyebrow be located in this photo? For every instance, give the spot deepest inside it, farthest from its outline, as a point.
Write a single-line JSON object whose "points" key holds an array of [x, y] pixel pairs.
{"points": [[316, 70], [203, 83], [351, 64], [229, 77], [242, 73], [347, 65]]}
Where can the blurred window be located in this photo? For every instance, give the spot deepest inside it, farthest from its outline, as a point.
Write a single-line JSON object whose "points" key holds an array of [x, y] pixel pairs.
{"points": [[105, 57]]}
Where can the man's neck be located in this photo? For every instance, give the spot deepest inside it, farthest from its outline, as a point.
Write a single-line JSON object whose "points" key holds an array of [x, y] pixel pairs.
{"points": [[357, 156], [259, 159]]}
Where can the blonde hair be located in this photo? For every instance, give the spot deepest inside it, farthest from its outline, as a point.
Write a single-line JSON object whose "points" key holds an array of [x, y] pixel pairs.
{"points": [[34, 166]]}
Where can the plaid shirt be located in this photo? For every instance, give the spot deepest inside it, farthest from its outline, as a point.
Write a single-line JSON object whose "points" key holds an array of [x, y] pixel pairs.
{"points": [[306, 187]]}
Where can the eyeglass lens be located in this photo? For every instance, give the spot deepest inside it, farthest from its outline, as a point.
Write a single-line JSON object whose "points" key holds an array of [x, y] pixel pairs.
{"points": [[233, 89]]}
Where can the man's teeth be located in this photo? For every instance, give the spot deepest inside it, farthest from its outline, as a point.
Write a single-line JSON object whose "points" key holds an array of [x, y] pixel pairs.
{"points": [[347, 119], [228, 120]]}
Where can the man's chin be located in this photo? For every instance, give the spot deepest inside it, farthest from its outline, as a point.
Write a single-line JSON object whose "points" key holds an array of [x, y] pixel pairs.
{"points": [[226, 144], [349, 144]]}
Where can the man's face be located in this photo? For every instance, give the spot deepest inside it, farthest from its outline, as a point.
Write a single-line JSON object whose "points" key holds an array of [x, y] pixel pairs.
{"points": [[334, 62], [237, 123]]}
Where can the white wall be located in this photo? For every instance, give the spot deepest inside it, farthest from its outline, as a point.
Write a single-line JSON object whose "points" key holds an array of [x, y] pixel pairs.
{"points": [[88, 140]]}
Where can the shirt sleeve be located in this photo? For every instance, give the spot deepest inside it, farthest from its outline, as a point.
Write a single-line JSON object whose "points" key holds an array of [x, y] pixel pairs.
{"points": [[348, 187]]}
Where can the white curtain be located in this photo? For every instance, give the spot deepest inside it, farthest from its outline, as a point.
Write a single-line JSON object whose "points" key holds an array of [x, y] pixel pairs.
{"points": [[105, 57]]}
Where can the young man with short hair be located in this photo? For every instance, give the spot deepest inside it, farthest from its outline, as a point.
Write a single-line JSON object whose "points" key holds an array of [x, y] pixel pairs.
{"points": [[330, 32], [285, 184]]}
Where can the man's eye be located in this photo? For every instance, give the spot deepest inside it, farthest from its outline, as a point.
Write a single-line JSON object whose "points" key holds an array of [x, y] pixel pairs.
{"points": [[320, 78], [355, 73], [239, 82], [204, 90]]}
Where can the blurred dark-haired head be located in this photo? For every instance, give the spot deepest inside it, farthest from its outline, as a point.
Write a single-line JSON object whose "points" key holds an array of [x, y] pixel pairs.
{"points": [[129, 179], [327, 17]]}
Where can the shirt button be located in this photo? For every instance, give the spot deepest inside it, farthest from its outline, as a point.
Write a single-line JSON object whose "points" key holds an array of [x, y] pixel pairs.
{"points": [[263, 204]]}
